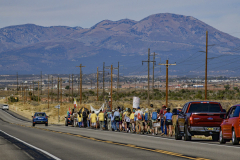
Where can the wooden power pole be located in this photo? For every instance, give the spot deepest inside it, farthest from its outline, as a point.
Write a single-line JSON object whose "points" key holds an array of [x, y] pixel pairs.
{"points": [[80, 82], [167, 80], [38, 91], [153, 70], [97, 83], [206, 66], [111, 85], [148, 73], [58, 88], [72, 87], [48, 91], [103, 79], [61, 89], [52, 91], [69, 89], [41, 82], [17, 83]]}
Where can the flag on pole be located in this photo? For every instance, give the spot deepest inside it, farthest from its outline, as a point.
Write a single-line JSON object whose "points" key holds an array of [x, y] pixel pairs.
{"points": [[75, 103]]}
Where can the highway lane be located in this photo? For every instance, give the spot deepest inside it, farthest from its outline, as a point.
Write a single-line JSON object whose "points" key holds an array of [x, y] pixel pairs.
{"points": [[71, 147], [195, 148]]}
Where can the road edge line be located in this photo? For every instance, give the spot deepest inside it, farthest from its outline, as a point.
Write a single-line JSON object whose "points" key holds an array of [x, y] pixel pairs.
{"points": [[45, 152]]}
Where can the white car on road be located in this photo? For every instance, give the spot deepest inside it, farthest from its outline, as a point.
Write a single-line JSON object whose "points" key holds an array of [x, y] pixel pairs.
{"points": [[5, 106]]}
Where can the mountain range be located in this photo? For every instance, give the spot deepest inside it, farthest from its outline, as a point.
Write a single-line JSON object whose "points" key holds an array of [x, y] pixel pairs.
{"points": [[29, 48]]}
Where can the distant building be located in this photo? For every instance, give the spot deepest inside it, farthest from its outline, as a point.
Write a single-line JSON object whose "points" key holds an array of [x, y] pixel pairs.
{"points": [[198, 86]]}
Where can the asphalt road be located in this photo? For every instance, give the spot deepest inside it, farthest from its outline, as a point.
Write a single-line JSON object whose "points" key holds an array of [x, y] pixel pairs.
{"points": [[69, 142]]}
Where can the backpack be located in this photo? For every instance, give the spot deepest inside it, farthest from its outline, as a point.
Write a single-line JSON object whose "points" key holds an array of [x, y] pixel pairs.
{"points": [[139, 117], [154, 115], [84, 114], [117, 118], [146, 116]]}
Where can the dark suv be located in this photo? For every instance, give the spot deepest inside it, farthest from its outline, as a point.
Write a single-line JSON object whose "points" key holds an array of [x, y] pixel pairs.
{"points": [[199, 118]]}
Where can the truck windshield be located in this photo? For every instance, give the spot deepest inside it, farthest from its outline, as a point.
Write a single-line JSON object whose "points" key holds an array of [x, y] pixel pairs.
{"points": [[204, 107]]}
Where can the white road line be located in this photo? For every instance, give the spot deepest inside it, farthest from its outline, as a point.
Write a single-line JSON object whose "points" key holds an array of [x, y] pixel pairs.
{"points": [[45, 152], [14, 117]]}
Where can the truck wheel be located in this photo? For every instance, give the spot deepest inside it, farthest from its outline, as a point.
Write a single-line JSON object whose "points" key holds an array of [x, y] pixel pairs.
{"points": [[235, 141], [186, 137], [33, 124], [221, 139], [215, 137], [66, 122], [177, 136], [46, 124]]}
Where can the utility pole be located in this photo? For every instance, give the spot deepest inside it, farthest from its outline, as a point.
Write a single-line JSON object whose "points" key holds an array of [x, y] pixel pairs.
{"points": [[206, 66], [79, 85], [111, 85], [29, 92], [52, 91], [58, 89], [135, 84], [38, 92], [91, 84], [22, 91], [167, 80], [69, 89], [103, 79], [33, 88], [72, 87], [41, 82], [48, 91], [61, 89], [97, 83], [17, 83], [118, 78], [153, 70], [148, 72], [24, 95], [80, 82]]}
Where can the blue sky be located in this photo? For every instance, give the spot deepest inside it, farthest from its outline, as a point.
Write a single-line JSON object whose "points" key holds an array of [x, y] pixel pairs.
{"points": [[221, 14]]}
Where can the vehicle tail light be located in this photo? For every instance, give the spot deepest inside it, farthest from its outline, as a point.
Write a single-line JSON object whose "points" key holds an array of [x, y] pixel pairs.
{"points": [[34, 117], [191, 120], [46, 117]]}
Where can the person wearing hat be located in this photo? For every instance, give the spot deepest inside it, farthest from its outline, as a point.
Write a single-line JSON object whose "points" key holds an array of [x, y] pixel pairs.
{"points": [[179, 109], [139, 114]]}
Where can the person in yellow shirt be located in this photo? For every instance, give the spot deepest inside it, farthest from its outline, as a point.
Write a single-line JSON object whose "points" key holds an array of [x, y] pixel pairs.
{"points": [[101, 119], [93, 119], [79, 117], [132, 122]]}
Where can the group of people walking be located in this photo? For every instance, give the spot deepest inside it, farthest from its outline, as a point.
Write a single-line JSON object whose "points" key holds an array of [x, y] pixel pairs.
{"points": [[144, 121]]}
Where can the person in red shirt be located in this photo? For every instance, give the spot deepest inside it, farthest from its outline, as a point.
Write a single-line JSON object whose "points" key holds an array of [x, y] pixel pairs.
{"points": [[163, 126]]}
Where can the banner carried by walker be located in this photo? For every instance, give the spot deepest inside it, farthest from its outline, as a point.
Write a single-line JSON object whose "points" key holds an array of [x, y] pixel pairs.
{"points": [[136, 102], [75, 103], [97, 110]]}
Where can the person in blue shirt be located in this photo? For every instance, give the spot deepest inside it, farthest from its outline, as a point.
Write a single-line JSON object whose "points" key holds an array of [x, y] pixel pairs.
{"points": [[168, 121], [113, 125], [116, 119]]}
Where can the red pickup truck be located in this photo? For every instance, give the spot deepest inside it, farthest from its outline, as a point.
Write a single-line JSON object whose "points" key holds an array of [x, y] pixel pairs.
{"points": [[199, 118]]}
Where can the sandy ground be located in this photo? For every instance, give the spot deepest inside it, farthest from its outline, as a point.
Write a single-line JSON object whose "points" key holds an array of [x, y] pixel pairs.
{"points": [[28, 109]]}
